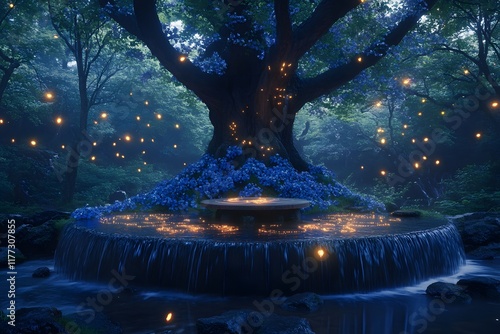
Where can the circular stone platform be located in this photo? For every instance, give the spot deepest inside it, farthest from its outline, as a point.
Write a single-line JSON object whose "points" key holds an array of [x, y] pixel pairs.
{"points": [[269, 208], [327, 254]]}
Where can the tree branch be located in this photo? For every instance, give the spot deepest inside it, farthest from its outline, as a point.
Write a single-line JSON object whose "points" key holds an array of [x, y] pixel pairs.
{"points": [[126, 20], [317, 25], [334, 78], [204, 85], [283, 26]]}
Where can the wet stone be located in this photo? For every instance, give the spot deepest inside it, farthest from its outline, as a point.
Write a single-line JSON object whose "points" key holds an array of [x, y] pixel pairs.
{"points": [[448, 292], [41, 272], [481, 287], [303, 302]]}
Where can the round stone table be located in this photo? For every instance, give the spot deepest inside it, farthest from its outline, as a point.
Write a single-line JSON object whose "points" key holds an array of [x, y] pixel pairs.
{"points": [[262, 208]]}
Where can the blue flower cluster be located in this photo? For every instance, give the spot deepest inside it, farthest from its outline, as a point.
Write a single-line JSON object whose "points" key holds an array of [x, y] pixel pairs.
{"points": [[216, 178]]}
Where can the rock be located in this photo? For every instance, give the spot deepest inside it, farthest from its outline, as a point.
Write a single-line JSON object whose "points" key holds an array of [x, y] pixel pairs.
{"points": [[488, 252], [231, 322], [481, 287], [252, 321], [277, 324], [40, 320], [306, 301], [4, 256], [99, 324], [45, 216], [478, 229], [37, 241], [41, 272], [118, 195], [406, 213], [448, 292]]}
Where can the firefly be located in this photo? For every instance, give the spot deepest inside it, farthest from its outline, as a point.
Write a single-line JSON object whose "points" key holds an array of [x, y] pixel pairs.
{"points": [[438, 162], [33, 143], [182, 59], [158, 116], [59, 120], [104, 115], [383, 172], [169, 317], [320, 253], [478, 135]]}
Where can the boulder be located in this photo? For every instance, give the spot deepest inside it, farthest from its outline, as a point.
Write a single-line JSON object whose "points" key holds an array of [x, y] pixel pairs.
{"points": [[488, 252], [37, 241], [481, 287], [45, 216], [251, 321], [118, 195], [478, 229], [41, 272], [230, 322], [306, 301], [40, 320], [277, 324], [100, 324], [448, 292]]}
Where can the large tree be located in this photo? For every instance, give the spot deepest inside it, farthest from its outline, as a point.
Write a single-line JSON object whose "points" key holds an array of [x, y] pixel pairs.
{"points": [[266, 52]]}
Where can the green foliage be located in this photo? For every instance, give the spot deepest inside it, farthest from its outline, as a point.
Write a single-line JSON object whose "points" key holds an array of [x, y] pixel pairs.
{"points": [[96, 183], [472, 188]]}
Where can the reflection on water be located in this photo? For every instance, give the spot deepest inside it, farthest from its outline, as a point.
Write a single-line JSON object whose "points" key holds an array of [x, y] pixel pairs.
{"points": [[333, 225], [161, 311]]}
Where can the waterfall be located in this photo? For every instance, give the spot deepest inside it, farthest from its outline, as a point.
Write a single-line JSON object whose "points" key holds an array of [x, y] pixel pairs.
{"points": [[325, 265]]}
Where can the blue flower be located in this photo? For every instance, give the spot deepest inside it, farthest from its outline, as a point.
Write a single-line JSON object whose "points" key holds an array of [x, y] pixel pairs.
{"points": [[215, 178]]}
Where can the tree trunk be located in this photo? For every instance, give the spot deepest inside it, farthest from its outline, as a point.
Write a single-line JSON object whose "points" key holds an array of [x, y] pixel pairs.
{"points": [[82, 146], [262, 131]]}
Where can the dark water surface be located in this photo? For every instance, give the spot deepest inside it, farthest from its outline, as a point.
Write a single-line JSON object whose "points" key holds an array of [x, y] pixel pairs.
{"points": [[144, 311]]}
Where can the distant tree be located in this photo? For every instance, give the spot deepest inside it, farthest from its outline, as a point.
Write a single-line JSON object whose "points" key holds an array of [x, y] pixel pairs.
{"points": [[255, 64], [88, 36]]}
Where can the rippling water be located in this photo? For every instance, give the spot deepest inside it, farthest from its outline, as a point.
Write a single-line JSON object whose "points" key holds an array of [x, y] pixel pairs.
{"points": [[397, 310]]}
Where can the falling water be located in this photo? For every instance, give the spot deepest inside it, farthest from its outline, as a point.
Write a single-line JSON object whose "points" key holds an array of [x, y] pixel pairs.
{"points": [[250, 258]]}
